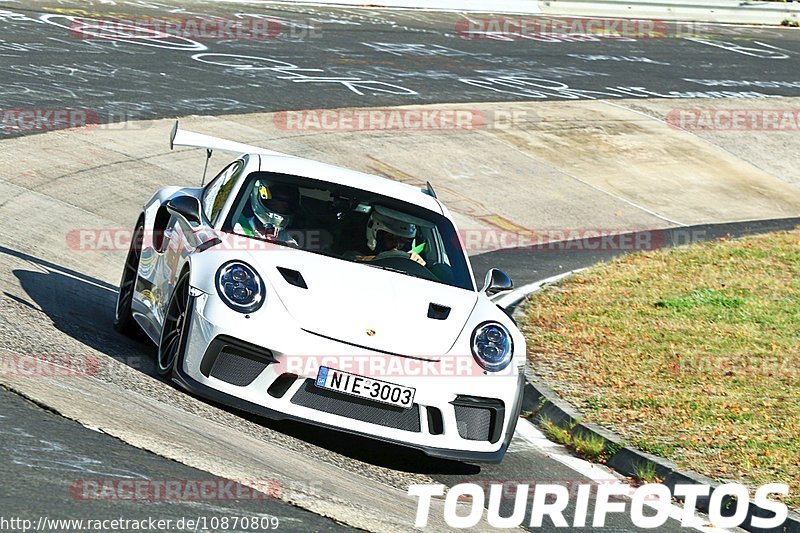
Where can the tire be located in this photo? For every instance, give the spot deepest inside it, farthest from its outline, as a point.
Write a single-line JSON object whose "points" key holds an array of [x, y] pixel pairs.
{"points": [[175, 330], [123, 318]]}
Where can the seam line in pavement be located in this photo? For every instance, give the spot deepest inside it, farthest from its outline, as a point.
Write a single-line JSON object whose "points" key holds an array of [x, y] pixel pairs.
{"points": [[684, 130], [595, 187], [29, 190]]}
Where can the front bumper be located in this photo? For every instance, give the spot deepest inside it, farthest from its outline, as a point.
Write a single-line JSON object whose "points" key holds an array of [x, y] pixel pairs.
{"points": [[466, 418]]}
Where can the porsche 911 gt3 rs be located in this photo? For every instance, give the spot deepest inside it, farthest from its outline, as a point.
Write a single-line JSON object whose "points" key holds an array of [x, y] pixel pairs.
{"points": [[298, 290]]}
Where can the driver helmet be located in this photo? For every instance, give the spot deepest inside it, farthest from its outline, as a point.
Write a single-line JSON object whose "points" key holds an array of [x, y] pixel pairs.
{"points": [[273, 205], [390, 221]]}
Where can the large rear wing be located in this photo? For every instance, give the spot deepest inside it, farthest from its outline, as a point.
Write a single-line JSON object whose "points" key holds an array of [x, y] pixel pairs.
{"points": [[180, 137]]}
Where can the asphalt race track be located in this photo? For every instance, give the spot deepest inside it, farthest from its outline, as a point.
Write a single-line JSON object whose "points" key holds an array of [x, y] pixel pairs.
{"points": [[324, 58], [48, 452], [360, 57]]}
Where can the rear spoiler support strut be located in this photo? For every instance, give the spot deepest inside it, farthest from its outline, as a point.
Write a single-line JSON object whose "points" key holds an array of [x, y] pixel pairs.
{"points": [[179, 137]]}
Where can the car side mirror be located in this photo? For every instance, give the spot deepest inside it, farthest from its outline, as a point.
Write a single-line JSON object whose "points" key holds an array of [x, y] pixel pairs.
{"points": [[497, 281], [185, 207]]}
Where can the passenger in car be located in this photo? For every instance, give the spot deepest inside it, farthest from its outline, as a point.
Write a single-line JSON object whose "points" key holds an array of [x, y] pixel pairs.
{"points": [[389, 233]]}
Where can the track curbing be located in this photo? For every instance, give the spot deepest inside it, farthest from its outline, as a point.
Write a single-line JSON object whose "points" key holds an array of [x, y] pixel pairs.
{"points": [[628, 460]]}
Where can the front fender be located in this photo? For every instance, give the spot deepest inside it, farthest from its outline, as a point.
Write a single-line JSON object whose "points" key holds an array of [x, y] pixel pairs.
{"points": [[203, 268]]}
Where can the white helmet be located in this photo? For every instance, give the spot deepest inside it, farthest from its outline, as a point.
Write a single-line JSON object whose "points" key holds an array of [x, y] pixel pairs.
{"points": [[264, 198], [390, 221]]}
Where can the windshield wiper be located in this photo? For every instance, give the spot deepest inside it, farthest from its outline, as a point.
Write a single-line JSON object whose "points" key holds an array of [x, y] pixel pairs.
{"points": [[390, 269]]}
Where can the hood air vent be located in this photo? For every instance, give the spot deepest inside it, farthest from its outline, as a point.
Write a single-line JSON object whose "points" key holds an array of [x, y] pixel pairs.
{"points": [[438, 312], [293, 277]]}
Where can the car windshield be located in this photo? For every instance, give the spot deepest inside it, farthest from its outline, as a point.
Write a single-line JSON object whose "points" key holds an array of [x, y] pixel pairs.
{"points": [[351, 225]]}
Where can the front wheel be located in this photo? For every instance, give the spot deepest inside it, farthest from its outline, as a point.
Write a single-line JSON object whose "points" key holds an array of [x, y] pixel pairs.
{"points": [[174, 333], [123, 318]]}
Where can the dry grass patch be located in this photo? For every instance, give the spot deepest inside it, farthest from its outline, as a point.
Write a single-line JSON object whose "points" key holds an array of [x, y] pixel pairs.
{"points": [[691, 353]]}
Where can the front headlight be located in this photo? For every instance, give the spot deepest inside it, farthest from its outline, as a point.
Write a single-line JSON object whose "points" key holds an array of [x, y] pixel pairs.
{"points": [[240, 287], [492, 346]]}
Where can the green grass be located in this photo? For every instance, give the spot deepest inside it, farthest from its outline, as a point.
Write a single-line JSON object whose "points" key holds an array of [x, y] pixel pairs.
{"points": [[691, 353], [645, 472], [555, 433], [702, 297], [591, 447]]}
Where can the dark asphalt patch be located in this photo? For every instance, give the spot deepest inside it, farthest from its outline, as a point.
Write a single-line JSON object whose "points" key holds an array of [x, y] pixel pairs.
{"points": [[50, 464]]}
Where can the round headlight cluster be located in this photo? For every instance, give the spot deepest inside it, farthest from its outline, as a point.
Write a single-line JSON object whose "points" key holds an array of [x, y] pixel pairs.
{"points": [[492, 346], [240, 287]]}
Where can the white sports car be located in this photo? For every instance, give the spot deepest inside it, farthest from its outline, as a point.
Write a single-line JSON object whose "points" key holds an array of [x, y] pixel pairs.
{"points": [[298, 290]]}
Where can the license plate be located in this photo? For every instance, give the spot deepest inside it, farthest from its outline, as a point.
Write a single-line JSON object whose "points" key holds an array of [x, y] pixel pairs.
{"points": [[367, 388]]}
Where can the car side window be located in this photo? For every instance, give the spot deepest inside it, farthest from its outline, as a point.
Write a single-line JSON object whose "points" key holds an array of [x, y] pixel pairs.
{"points": [[219, 189]]}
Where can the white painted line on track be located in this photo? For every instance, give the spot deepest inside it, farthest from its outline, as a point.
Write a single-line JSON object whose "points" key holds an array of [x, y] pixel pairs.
{"points": [[507, 299], [598, 473]]}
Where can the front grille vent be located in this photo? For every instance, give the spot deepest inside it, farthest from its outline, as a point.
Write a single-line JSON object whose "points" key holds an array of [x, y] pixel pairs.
{"points": [[234, 361], [236, 370], [356, 408], [474, 423], [479, 418]]}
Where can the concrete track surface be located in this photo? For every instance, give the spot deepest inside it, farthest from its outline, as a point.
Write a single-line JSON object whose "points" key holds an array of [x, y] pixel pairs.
{"points": [[567, 164]]}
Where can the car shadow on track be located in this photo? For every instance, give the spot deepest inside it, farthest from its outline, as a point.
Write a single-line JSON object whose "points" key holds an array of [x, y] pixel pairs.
{"points": [[366, 450], [80, 306], [83, 308]]}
